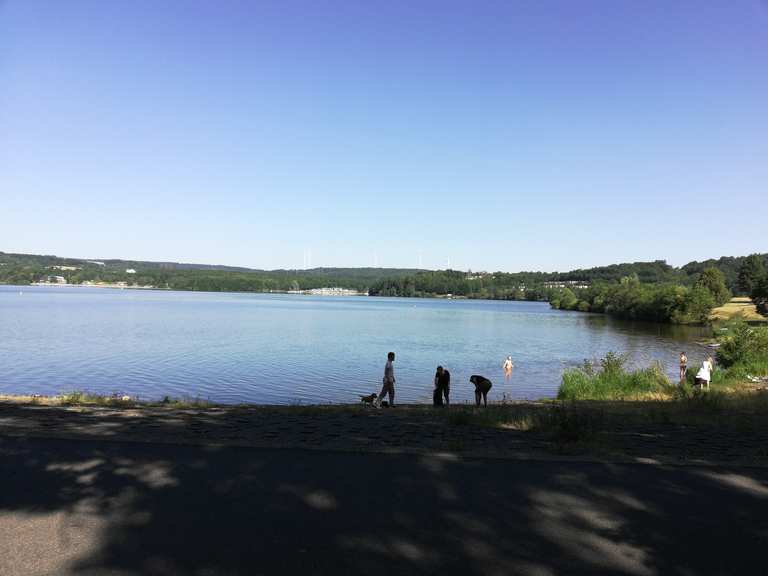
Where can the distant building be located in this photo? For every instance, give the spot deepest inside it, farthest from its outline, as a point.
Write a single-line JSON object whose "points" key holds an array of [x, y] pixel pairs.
{"points": [[53, 280], [130, 271], [567, 284], [64, 268], [477, 275], [96, 262], [334, 291]]}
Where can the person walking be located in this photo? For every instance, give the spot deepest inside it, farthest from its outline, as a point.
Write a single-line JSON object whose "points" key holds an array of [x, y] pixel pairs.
{"points": [[388, 382], [683, 367]]}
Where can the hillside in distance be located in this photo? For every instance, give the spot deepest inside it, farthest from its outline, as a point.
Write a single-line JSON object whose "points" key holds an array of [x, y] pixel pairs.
{"points": [[28, 268]]}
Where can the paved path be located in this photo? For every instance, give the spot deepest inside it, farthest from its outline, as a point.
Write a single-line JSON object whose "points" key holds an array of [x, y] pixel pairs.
{"points": [[97, 507]]}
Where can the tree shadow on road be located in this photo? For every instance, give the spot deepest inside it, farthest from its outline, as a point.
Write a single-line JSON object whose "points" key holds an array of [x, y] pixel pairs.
{"points": [[123, 508]]}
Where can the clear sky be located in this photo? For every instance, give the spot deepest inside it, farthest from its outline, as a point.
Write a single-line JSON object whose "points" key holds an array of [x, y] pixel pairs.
{"points": [[504, 135]]}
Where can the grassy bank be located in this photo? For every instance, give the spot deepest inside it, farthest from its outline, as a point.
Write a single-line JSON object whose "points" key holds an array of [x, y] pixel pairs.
{"points": [[736, 308], [742, 361], [81, 398]]}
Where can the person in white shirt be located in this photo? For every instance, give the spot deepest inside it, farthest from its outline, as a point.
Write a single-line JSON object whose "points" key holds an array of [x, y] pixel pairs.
{"points": [[704, 375], [388, 382]]}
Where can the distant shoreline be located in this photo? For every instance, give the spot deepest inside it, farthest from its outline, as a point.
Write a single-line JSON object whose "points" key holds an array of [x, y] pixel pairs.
{"points": [[330, 292]]}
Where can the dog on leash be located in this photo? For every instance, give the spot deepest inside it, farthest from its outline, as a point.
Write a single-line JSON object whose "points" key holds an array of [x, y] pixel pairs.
{"points": [[370, 399]]}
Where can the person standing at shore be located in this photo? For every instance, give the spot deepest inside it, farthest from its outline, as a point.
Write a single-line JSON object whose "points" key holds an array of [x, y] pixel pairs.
{"points": [[437, 393], [683, 367], [444, 385], [388, 382], [704, 375]]}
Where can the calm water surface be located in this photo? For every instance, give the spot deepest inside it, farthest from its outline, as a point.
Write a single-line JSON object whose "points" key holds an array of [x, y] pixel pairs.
{"points": [[286, 349]]}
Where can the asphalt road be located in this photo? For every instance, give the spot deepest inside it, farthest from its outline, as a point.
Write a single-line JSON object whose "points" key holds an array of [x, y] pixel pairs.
{"points": [[91, 507]]}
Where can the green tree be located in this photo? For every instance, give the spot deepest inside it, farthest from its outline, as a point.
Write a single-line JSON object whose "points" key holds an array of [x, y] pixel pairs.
{"points": [[714, 281], [759, 294], [750, 272], [568, 300], [698, 305]]}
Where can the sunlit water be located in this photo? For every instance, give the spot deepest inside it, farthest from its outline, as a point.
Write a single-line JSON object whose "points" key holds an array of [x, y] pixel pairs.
{"points": [[288, 349]]}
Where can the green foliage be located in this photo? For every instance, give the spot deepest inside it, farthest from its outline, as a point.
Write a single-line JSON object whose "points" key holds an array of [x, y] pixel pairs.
{"points": [[568, 300], [759, 294], [743, 345], [630, 298], [751, 271], [697, 306], [728, 265], [714, 281], [612, 381], [498, 286]]}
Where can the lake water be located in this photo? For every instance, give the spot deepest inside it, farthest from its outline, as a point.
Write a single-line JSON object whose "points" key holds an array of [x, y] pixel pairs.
{"points": [[289, 349]]}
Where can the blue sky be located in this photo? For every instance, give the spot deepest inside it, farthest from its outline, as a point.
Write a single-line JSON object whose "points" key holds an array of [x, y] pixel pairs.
{"points": [[503, 135]]}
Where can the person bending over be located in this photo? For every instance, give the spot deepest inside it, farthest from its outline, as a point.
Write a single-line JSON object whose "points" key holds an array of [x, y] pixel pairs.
{"points": [[482, 386]]}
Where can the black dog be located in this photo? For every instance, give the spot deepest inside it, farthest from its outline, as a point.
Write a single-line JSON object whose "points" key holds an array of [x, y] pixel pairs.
{"points": [[482, 385]]}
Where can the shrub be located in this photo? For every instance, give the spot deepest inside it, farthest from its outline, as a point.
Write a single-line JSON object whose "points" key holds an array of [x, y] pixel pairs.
{"points": [[743, 344], [612, 381]]}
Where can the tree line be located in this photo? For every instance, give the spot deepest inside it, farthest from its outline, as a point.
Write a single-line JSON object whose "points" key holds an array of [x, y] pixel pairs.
{"points": [[644, 290], [669, 301], [662, 302], [24, 269]]}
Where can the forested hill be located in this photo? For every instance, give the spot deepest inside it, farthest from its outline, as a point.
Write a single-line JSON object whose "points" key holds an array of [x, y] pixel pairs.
{"points": [[26, 268], [538, 285]]}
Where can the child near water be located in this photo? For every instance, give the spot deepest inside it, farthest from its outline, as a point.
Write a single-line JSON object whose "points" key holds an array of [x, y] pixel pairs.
{"points": [[683, 367]]}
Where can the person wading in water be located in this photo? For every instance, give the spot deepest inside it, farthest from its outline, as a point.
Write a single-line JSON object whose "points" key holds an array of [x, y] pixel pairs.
{"points": [[508, 368], [683, 367]]}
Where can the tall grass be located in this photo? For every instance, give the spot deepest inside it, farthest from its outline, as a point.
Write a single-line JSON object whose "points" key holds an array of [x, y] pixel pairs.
{"points": [[611, 381]]}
